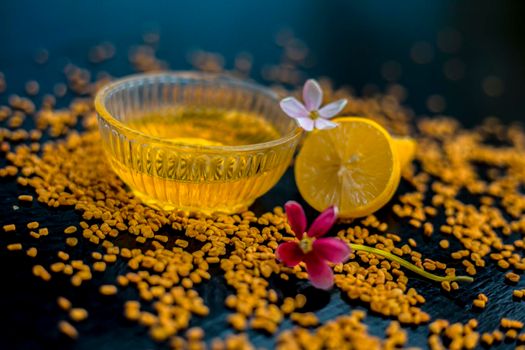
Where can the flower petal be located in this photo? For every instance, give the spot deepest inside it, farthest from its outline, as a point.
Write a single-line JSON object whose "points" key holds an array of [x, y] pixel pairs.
{"points": [[319, 272], [289, 253], [312, 95], [332, 109], [296, 218], [294, 108], [306, 123], [332, 249], [323, 124], [323, 223]]}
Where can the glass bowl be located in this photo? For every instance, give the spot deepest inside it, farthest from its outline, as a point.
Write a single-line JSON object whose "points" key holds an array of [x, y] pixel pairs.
{"points": [[139, 115]]}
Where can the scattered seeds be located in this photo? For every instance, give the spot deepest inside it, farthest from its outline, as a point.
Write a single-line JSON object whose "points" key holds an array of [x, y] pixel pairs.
{"points": [[108, 289], [68, 329], [14, 246], [73, 173], [64, 303], [9, 228], [25, 198], [32, 252], [78, 314]]}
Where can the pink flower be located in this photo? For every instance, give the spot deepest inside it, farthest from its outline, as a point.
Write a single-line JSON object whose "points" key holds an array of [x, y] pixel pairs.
{"points": [[314, 251], [308, 115]]}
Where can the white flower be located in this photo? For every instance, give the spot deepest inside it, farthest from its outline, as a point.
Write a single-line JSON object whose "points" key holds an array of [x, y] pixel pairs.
{"points": [[308, 115]]}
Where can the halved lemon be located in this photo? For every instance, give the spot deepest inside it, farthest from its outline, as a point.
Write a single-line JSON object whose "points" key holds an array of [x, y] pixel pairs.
{"points": [[355, 166]]}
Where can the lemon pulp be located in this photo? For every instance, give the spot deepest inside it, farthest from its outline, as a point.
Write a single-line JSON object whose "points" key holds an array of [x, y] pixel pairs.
{"points": [[355, 166]]}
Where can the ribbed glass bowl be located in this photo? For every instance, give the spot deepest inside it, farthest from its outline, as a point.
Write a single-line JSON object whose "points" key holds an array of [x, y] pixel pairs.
{"points": [[207, 178]]}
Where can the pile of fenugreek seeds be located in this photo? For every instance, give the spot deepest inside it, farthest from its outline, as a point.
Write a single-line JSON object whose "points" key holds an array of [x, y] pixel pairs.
{"points": [[464, 195]]}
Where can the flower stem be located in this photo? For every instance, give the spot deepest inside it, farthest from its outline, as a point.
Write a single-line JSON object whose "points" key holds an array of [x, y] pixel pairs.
{"points": [[410, 266]]}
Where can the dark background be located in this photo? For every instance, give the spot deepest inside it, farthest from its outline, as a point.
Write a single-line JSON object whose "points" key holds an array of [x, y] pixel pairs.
{"points": [[350, 40]]}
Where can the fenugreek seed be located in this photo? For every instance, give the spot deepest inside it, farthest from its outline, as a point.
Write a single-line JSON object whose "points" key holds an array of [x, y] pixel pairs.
{"points": [[512, 277], [71, 241], [195, 333], [110, 258], [487, 339], [9, 228], [32, 252], [147, 319], [33, 225], [64, 303], [158, 333], [63, 255], [132, 314], [446, 229], [70, 229], [78, 314], [181, 243], [108, 289], [483, 297], [518, 293], [68, 329], [444, 244], [78, 264], [497, 336], [428, 229], [479, 303], [503, 264], [230, 301], [40, 271], [511, 334], [473, 323], [85, 275], [99, 266], [187, 283], [415, 223], [300, 301], [213, 259], [446, 286], [68, 270], [122, 281], [237, 321], [25, 198], [14, 246], [57, 267]]}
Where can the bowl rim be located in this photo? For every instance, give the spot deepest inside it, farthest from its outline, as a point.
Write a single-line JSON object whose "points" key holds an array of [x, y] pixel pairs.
{"points": [[101, 109]]}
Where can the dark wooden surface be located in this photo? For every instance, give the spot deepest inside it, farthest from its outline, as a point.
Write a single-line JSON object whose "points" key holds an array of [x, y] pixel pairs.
{"points": [[28, 311]]}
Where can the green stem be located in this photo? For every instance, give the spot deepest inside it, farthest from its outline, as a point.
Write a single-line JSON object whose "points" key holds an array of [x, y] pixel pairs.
{"points": [[410, 266]]}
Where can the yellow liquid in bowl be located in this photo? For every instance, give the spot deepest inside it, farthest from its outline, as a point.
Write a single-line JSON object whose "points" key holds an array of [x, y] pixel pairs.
{"points": [[207, 127], [172, 176]]}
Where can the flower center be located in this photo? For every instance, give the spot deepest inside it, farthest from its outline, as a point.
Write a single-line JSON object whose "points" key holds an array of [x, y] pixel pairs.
{"points": [[306, 243], [314, 115]]}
